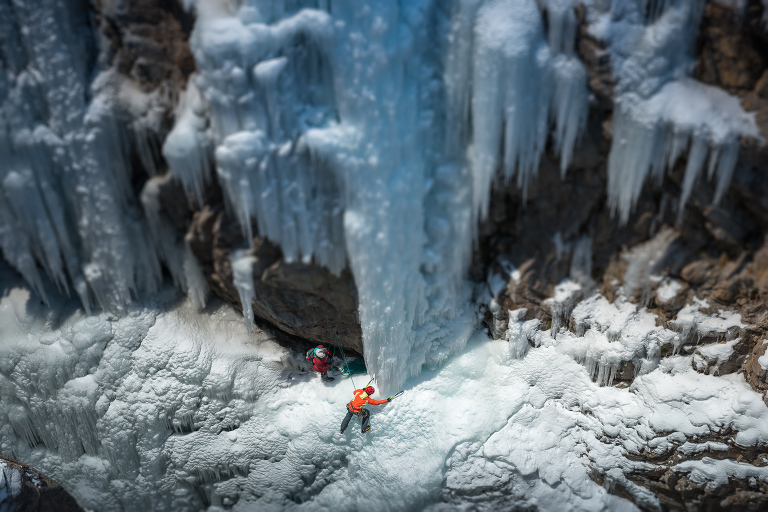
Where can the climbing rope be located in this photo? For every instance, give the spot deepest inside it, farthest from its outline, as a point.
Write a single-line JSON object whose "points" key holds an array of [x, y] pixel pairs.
{"points": [[348, 369], [346, 364]]}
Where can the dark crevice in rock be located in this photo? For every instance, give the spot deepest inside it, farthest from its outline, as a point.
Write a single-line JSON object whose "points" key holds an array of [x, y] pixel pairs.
{"points": [[26, 489]]}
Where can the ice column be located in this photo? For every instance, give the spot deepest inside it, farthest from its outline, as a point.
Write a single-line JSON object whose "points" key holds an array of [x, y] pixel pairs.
{"points": [[406, 217], [242, 270]]}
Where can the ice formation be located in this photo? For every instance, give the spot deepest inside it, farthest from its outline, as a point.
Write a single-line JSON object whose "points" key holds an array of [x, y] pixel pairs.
{"points": [[171, 409], [660, 113], [351, 133], [357, 134], [65, 143], [242, 272], [10, 484], [350, 138]]}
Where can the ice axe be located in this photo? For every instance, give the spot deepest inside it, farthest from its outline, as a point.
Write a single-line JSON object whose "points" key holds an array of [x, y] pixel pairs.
{"points": [[395, 396]]}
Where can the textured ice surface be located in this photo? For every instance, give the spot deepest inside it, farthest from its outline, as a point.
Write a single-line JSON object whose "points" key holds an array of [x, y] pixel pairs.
{"points": [[719, 351], [609, 336], [170, 409]]}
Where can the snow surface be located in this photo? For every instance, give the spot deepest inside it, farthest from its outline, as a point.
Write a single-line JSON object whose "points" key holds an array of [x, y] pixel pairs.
{"points": [[763, 360], [690, 322], [719, 352], [167, 408], [668, 290]]}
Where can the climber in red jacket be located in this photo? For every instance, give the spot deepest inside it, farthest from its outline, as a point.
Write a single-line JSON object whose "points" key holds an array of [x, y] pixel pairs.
{"points": [[357, 407], [321, 362]]}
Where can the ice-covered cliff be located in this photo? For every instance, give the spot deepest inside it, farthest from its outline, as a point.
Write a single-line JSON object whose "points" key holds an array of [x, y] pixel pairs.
{"points": [[353, 133], [597, 168]]}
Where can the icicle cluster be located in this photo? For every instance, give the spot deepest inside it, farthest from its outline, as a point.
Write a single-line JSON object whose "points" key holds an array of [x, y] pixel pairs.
{"points": [[506, 84], [660, 113], [66, 200]]}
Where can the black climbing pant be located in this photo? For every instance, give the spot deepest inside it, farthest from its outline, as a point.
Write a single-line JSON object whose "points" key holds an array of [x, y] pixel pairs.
{"points": [[364, 414]]}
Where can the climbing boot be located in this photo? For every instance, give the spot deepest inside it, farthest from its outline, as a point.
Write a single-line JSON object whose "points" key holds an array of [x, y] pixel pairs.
{"points": [[366, 429], [342, 430]]}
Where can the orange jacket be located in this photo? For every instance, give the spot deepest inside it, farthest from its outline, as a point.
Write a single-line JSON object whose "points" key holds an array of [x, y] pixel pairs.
{"points": [[361, 399]]}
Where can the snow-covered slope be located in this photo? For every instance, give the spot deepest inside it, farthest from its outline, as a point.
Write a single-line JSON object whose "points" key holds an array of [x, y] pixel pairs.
{"points": [[169, 409]]}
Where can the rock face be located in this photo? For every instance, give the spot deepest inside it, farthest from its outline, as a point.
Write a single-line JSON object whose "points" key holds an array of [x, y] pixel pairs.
{"points": [[306, 301], [148, 42], [24, 489]]}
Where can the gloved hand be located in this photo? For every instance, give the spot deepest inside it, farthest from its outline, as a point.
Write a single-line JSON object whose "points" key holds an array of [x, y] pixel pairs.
{"points": [[389, 399]]}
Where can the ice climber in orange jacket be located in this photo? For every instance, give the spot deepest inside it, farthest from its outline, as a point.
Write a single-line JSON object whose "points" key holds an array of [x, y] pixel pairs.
{"points": [[357, 407]]}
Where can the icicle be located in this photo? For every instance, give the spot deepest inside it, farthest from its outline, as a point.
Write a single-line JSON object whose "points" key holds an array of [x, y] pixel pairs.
{"points": [[242, 273], [581, 261], [570, 107], [562, 25], [510, 95], [643, 261], [164, 236], [517, 335], [197, 287], [187, 147]]}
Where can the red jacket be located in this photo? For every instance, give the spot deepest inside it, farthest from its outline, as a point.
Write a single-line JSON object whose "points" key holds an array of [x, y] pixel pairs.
{"points": [[321, 365], [361, 399]]}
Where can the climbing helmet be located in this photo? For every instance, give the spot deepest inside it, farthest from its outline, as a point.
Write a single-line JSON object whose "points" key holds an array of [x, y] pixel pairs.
{"points": [[369, 390]]}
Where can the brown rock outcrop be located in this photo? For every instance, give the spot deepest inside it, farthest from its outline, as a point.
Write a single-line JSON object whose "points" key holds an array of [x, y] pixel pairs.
{"points": [[149, 42], [303, 300]]}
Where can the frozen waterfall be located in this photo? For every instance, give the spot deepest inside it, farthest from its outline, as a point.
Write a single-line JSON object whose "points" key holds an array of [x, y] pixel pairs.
{"points": [[367, 134], [354, 133]]}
